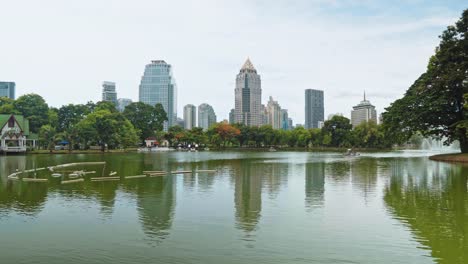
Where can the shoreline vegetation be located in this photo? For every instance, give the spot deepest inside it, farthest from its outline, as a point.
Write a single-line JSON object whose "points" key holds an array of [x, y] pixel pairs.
{"points": [[451, 157]]}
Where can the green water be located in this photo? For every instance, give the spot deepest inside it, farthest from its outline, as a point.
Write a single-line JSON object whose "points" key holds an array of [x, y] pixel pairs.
{"points": [[270, 207]]}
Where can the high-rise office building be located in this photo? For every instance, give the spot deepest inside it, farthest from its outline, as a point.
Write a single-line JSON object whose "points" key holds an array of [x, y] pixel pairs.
{"points": [[108, 92], [363, 112], [285, 119], [206, 116], [122, 103], [248, 96], [290, 123], [158, 86], [274, 114], [190, 115], [7, 89], [314, 108], [231, 117]]}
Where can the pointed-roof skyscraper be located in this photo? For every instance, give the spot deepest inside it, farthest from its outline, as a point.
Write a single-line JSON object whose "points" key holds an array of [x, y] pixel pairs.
{"points": [[248, 96]]}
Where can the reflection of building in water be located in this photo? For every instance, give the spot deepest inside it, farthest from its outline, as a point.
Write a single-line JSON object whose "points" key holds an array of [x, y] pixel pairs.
{"points": [[248, 194], [156, 202], [434, 204], [364, 176], [314, 184], [274, 176]]}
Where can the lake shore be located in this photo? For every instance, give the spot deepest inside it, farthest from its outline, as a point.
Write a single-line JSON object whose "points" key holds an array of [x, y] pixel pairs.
{"points": [[452, 157]]}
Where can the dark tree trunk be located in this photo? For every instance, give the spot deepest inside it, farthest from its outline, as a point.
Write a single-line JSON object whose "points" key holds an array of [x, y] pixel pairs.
{"points": [[463, 141]]}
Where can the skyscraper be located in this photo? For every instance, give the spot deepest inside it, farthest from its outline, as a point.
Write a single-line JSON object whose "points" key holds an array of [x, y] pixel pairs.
{"points": [[248, 96], [158, 86], [314, 108], [285, 119], [190, 115], [363, 112], [7, 89], [274, 114], [108, 92], [122, 103], [231, 116], [206, 116]]}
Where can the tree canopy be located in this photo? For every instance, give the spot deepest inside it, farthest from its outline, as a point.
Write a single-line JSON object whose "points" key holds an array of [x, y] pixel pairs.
{"points": [[435, 105]]}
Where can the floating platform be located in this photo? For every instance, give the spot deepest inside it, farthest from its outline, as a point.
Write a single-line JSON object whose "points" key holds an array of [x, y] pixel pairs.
{"points": [[73, 181], [34, 180], [106, 179], [180, 172], [135, 177]]}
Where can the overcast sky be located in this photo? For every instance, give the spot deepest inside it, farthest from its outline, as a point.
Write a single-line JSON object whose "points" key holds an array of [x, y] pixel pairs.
{"points": [[63, 50]]}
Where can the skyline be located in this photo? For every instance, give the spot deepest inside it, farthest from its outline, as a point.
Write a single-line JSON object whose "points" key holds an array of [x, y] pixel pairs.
{"points": [[325, 45]]}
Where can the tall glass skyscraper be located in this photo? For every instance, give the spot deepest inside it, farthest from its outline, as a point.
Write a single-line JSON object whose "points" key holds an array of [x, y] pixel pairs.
{"points": [[363, 112], [190, 116], [158, 86], [248, 96], [7, 89], [314, 108], [206, 116], [108, 92]]}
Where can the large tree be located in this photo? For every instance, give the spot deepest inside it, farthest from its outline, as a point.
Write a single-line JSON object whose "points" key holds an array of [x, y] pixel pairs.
{"points": [[34, 108], [434, 105], [146, 118]]}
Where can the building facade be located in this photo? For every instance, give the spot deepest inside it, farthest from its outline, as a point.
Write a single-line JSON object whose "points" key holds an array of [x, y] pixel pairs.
{"points": [[363, 112], [190, 116], [14, 130], [158, 86], [108, 92], [314, 108], [122, 103], [206, 116], [274, 114], [248, 96], [7, 89], [231, 117], [285, 119]]}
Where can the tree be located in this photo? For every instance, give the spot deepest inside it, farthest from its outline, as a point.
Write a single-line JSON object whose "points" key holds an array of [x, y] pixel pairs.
{"points": [[69, 115], [161, 117], [146, 118], [34, 108], [339, 129], [434, 105], [107, 128], [47, 134], [7, 106], [223, 133]]}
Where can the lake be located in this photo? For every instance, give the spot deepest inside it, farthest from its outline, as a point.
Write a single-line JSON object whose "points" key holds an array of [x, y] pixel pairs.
{"points": [[258, 207]]}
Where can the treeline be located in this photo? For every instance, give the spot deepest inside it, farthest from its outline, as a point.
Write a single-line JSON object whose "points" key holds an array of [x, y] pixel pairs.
{"points": [[100, 124], [337, 132]]}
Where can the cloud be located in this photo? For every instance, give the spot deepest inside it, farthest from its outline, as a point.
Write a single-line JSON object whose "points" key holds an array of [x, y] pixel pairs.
{"points": [[64, 50]]}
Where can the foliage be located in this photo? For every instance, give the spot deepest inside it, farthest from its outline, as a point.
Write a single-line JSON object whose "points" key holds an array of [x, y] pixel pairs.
{"points": [[33, 107], [435, 105], [146, 118]]}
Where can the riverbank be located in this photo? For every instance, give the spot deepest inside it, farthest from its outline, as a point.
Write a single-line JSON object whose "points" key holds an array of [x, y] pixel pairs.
{"points": [[452, 157], [89, 151]]}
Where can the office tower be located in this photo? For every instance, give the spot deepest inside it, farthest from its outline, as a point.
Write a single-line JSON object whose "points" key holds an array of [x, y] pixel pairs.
{"points": [[274, 114], [206, 116], [190, 115], [180, 122], [363, 112], [122, 103], [231, 116], [248, 96], [108, 92], [290, 123], [285, 119], [314, 108], [7, 89], [158, 86], [263, 115]]}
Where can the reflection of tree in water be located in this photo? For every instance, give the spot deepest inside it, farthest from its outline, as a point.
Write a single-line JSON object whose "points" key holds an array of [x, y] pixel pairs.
{"points": [[314, 184], [247, 193], [338, 171], [434, 204], [22, 197], [156, 202]]}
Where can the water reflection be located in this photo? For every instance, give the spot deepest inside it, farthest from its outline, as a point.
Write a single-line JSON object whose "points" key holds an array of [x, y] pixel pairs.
{"points": [[431, 199], [314, 184]]}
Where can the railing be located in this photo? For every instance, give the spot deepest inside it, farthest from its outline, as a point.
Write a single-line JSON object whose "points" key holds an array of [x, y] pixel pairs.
{"points": [[13, 149]]}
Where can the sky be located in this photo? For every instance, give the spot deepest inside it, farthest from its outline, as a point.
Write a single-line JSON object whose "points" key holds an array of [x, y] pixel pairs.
{"points": [[64, 50]]}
